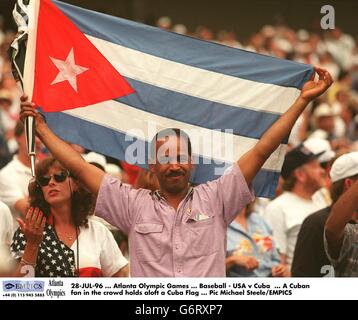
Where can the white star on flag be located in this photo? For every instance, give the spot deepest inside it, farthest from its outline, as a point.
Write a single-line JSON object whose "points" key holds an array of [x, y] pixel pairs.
{"points": [[68, 70]]}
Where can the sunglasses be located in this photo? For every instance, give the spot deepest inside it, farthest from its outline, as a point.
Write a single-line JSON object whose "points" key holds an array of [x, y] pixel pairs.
{"points": [[59, 177]]}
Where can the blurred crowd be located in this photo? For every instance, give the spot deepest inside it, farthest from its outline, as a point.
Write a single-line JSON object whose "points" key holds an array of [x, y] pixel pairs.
{"points": [[327, 130]]}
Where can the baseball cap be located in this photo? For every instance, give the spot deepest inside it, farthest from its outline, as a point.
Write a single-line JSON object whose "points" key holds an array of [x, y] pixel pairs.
{"points": [[324, 110], [93, 157], [319, 145], [295, 158], [344, 167]]}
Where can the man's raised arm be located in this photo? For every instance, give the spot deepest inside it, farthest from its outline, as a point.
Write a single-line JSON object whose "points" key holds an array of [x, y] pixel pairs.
{"points": [[341, 213], [70, 159], [252, 161]]}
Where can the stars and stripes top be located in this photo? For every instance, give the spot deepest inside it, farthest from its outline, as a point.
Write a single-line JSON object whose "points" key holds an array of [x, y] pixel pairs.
{"points": [[99, 255]]}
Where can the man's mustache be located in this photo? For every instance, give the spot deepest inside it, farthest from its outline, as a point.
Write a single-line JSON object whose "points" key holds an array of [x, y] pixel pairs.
{"points": [[175, 174]]}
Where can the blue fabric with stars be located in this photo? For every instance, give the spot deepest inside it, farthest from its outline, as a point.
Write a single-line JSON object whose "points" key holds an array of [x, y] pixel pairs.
{"points": [[54, 258]]}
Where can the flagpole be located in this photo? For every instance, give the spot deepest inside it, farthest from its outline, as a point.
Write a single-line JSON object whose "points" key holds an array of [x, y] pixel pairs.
{"points": [[25, 16], [30, 141], [33, 6], [29, 125]]}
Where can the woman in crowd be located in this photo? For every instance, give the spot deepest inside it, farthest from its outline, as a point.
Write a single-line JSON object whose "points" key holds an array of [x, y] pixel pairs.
{"points": [[251, 251], [58, 238]]}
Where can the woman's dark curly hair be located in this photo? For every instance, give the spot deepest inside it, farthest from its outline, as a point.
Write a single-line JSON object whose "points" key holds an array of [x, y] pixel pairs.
{"points": [[82, 199]]}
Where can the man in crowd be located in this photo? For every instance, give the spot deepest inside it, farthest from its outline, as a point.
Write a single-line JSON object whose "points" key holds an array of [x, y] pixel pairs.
{"points": [[15, 177], [303, 176], [310, 259], [341, 229], [177, 231]]}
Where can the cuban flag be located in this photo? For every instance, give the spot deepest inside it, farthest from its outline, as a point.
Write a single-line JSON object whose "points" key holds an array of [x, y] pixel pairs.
{"points": [[110, 84]]}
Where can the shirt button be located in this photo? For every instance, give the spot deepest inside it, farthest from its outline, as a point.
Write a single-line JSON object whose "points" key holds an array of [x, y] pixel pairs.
{"points": [[177, 247], [179, 270]]}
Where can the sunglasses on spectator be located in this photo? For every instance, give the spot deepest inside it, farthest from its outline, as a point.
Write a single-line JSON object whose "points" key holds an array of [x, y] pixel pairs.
{"points": [[59, 177]]}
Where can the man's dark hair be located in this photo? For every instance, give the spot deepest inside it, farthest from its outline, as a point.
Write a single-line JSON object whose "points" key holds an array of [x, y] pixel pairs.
{"points": [[169, 132], [289, 183]]}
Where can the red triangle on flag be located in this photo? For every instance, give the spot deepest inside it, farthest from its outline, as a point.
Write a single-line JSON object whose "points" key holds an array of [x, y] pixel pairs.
{"points": [[70, 72]]}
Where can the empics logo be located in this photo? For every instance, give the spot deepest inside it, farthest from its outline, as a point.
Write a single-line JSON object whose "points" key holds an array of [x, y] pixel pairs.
{"points": [[23, 286]]}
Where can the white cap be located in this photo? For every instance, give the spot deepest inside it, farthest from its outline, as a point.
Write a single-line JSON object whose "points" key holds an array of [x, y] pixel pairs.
{"points": [[112, 168], [344, 167], [283, 44], [303, 35], [318, 145], [268, 31], [180, 28], [164, 22], [324, 110], [95, 157]]}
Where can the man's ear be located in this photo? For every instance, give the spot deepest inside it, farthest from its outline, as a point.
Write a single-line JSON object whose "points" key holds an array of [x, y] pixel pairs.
{"points": [[192, 163], [299, 174], [348, 183]]}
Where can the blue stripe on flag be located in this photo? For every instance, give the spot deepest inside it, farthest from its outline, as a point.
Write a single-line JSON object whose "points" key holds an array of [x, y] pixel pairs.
{"points": [[198, 112], [264, 184], [189, 51], [112, 143]]}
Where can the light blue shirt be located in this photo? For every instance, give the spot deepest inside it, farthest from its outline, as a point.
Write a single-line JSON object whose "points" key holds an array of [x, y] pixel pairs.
{"points": [[257, 241]]}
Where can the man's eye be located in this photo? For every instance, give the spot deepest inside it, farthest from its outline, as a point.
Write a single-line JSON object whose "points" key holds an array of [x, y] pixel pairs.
{"points": [[163, 160], [183, 159]]}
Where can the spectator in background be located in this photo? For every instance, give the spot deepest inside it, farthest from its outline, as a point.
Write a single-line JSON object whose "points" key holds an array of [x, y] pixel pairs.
{"points": [[302, 176], [322, 148], [16, 175], [100, 161], [341, 228], [5, 155], [8, 117], [310, 257], [6, 233], [324, 122], [147, 180], [129, 173], [251, 250]]}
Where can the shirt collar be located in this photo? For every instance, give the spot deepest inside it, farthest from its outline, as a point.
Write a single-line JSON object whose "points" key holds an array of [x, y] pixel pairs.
{"points": [[159, 196]]}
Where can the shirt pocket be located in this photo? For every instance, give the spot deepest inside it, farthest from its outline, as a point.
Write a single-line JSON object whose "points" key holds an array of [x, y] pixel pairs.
{"points": [[202, 237], [148, 238]]}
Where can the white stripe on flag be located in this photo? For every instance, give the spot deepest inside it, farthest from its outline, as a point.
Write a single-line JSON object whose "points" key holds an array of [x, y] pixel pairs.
{"points": [[197, 82], [123, 118], [29, 66]]}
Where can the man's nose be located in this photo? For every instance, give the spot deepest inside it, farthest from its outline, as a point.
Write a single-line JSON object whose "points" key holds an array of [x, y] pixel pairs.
{"points": [[174, 166]]}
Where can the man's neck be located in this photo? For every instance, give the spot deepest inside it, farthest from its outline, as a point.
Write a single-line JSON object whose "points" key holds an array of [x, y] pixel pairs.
{"points": [[302, 192], [175, 199], [24, 159]]}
